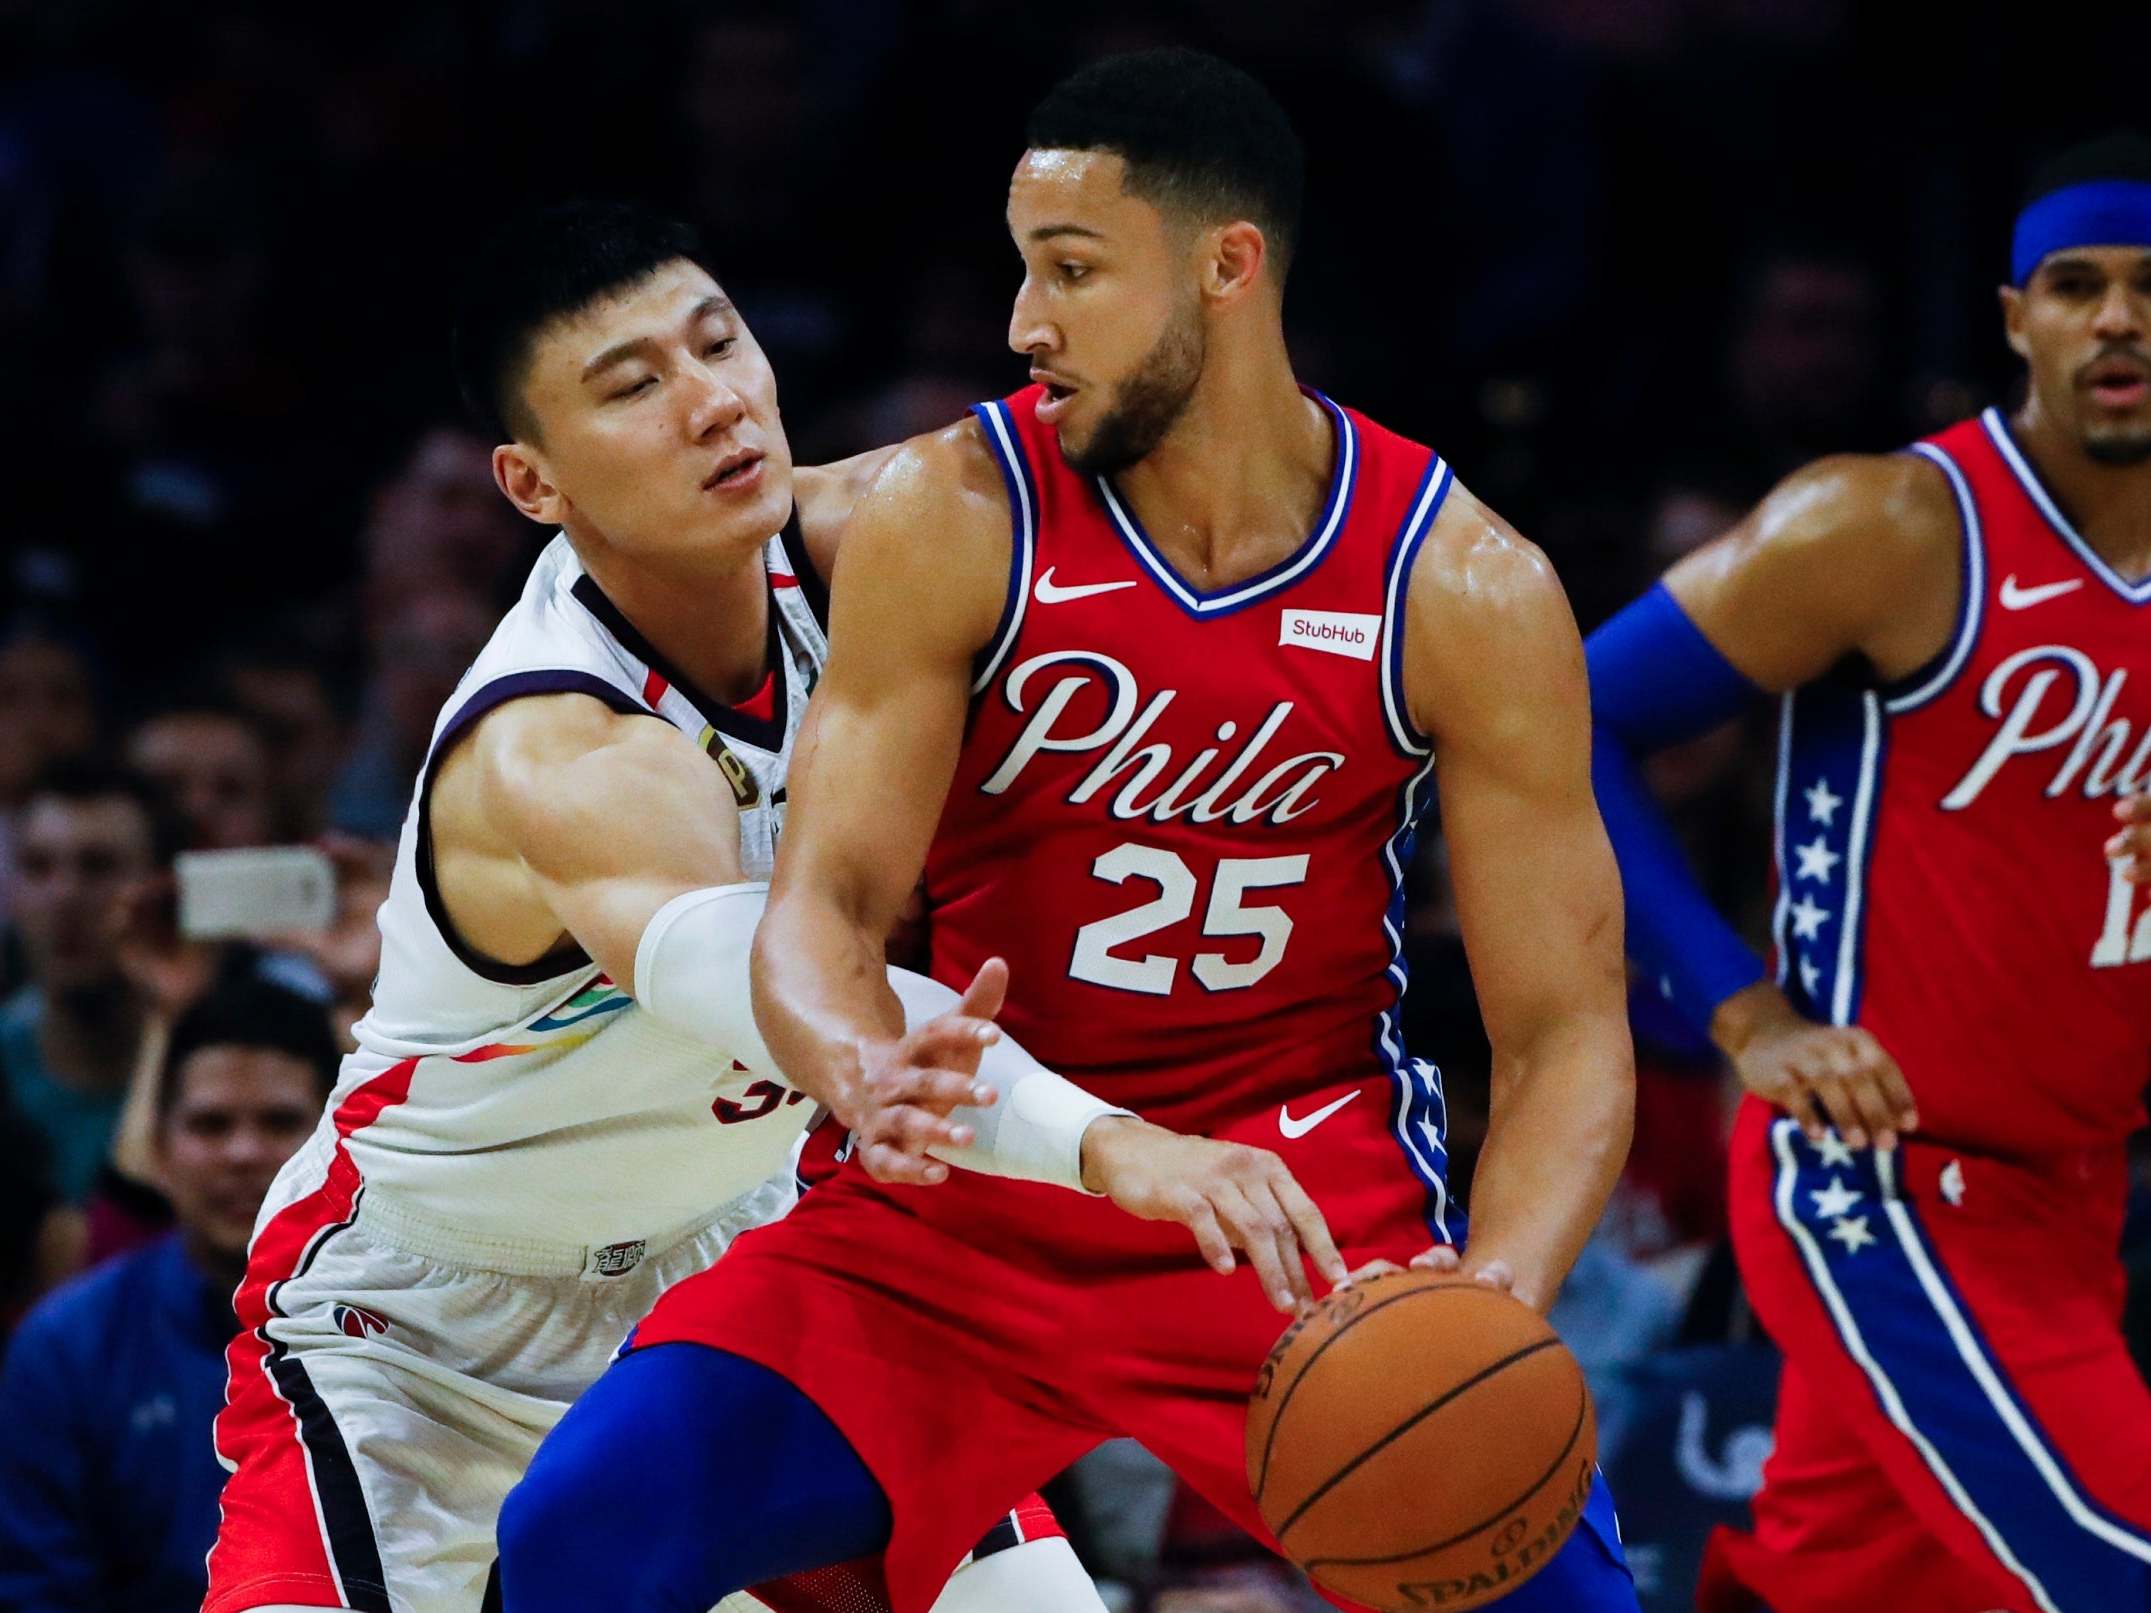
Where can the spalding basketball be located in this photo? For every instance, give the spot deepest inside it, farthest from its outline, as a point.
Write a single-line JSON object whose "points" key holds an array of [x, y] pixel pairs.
{"points": [[1421, 1441]]}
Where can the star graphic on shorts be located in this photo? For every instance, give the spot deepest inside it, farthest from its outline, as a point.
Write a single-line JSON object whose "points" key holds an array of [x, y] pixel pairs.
{"points": [[1810, 976], [1851, 1231], [1808, 919], [1816, 860], [1832, 1150], [1834, 1200], [1821, 804]]}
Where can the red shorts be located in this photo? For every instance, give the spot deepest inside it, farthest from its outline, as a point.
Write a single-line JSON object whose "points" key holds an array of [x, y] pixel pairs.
{"points": [[1959, 1424], [972, 1339]]}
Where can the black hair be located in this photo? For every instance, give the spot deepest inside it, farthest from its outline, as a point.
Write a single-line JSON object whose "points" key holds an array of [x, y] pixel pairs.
{"points": [[78, 779], [2122, 154], [251, 1013], [544, 266], [1197, 134]]}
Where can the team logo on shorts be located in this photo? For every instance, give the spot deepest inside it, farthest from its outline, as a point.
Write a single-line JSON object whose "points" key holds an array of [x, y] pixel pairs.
{"points": [[618, 1259], [355, 1321]]}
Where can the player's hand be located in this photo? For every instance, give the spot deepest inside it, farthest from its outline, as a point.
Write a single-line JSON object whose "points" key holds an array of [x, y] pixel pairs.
{"points": [[1821, 1075], [1228, 1195], [1446, 1260], [899, 1108], [2131, 847]]}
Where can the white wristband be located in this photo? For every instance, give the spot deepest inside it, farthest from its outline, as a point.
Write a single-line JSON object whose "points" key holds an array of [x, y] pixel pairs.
{"points": [[1035, 1133]]}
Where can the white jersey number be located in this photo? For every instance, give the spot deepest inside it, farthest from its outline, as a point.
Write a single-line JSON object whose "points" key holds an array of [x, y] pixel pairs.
{"points": [[2117, 945], [1154, 973]]}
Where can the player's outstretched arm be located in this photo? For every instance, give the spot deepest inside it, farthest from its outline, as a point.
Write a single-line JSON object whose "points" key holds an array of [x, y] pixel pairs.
{"points": [[1494, 674], [1852, 556], [917, 592]]}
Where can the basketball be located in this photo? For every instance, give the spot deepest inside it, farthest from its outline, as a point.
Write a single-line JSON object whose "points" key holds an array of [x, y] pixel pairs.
{"points": [[1421, 1441]]}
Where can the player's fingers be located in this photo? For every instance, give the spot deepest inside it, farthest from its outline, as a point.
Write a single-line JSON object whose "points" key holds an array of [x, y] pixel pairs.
{"points": [[915, 1130], [1193, 1211], [1837, 1104], [939, 1090], [887, 1164], [1264, 1197], [1864, 1092], [1896, 1093], [1309, 1225], [2134, 808], [1496, 1274], [982, 999], [1254, 1236], [1793, 1093], [1442, 1259], [953, 1040]]}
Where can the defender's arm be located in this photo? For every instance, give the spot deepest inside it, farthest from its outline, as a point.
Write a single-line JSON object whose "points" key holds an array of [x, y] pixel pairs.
{"points": [[1494, 675]]}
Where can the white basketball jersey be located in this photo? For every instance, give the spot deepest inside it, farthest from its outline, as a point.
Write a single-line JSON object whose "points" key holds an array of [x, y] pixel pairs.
{"points": [[540, 1103]]}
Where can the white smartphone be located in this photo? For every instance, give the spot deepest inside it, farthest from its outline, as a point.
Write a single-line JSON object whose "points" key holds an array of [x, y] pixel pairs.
{"points": [[259, 890]]}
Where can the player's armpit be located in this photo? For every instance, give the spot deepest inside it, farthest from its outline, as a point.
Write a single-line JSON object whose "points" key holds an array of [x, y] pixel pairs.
{"points": [[1494, 673], [560, 816], [1852, 555], [920, 589]]}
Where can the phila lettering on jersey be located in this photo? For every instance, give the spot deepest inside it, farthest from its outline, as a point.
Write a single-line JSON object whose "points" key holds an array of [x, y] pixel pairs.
{"points": [[539, 1104], [1201, 802], [1939, 841]]}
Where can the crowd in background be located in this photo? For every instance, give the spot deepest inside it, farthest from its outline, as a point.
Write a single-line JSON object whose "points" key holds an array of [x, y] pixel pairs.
{"points": [[1623, 264]]}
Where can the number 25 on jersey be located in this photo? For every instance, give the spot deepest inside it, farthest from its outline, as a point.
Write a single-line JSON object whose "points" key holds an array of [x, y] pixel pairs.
{"points": [[1228, 914]]}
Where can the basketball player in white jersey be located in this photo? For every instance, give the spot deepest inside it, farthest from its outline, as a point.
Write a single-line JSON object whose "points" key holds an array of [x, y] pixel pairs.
{"points": [[559, 1104]]}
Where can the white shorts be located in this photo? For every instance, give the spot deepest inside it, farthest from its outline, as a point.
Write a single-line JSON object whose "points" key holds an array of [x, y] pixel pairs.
{"points": [[392, 1381]]}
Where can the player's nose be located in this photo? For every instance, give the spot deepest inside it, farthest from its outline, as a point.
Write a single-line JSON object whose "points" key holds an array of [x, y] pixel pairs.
{"points": [[713, 403], [1029, 331], [2124, 312]]}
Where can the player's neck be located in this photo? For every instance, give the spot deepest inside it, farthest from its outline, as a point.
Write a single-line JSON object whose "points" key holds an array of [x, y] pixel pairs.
{"points": [[2109, 504], [707, 615], [1239, 481]]}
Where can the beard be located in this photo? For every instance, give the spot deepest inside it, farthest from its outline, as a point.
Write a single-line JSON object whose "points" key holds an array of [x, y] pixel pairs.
{"points": [[1145, 405], [2118, 452]]}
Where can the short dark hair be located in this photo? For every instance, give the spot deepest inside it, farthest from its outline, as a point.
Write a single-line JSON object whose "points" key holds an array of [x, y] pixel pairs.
{"points": [[1196, 132], [2121, 154], [544, 266], [251, 1013], [79, 779]]}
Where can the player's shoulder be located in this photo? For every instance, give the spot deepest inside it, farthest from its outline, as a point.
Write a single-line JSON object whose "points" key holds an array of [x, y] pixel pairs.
{"points": [[1477, 573], [1847, 506], [946, 483]]}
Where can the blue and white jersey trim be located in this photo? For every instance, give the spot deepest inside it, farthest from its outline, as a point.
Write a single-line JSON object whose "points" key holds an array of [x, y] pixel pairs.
{"points": [[1831, 749], [1432, 493], [1972, 604], [1420, 1119], [2136, 593], [1023, 535], [1328, 524], [1900, 1319]]}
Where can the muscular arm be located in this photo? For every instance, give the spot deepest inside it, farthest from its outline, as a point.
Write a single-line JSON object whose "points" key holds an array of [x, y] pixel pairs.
{"points": [[1494, 675], [874, 759]]}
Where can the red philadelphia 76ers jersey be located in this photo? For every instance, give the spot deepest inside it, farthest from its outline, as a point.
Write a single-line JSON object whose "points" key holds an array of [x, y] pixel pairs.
{"points": [[1184, 816], [1940, 868]]}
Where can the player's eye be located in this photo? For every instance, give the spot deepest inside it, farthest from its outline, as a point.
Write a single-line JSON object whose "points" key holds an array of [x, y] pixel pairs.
{"points": [[723, 345], [1074, 271], [635, 388]]}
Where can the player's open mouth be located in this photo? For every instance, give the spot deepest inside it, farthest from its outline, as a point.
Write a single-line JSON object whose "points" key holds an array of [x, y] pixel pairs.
{"points": [[734, 473], [2120, 383], [1058, 392]]}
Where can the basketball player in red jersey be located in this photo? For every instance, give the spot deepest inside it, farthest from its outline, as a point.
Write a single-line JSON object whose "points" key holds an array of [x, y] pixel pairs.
{"points": [[1156, 714], [1928, 1173]]}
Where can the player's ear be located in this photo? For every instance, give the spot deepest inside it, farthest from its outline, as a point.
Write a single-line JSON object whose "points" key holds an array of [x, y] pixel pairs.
{"points": [[519, 472], [1237, 252], [2013, 321]]}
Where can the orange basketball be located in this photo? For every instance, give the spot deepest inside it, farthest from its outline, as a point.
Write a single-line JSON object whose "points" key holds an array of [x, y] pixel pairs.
{"points": [[1421, 1442]]}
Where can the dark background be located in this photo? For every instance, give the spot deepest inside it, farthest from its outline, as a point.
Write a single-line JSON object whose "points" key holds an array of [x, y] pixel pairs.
{"points": [[1624, 262]]}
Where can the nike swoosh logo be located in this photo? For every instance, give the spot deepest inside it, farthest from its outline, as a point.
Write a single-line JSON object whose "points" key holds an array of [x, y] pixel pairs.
{"points": [[1048, 593], [1296, 1129], [2015, 598]]}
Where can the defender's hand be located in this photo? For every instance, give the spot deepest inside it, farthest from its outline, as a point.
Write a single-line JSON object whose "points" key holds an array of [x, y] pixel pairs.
{"points": [[1821, 1075], [900, 1106], [2131, 848], [1228, 1195]]}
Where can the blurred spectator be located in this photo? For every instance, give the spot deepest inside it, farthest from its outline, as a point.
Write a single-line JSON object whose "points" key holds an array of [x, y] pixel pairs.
{"points": [[297, 704], [211, 760], [48, 713], [108, 1478], [40, 1238], [419, 657], [438, 523], [68, 1038]]}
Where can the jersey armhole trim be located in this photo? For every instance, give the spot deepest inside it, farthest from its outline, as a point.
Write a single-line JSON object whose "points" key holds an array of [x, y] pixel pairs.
{"points": [[487, 699], [1928, 683], [1023, 536], [1426, 502]]}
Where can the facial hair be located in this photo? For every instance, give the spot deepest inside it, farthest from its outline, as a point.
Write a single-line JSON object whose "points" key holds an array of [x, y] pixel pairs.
{"points": [[1147, 404], [2118, 452]]}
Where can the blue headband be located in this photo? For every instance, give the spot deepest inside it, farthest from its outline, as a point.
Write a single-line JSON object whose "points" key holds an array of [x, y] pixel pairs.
{"points": [[2098, 212]]}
